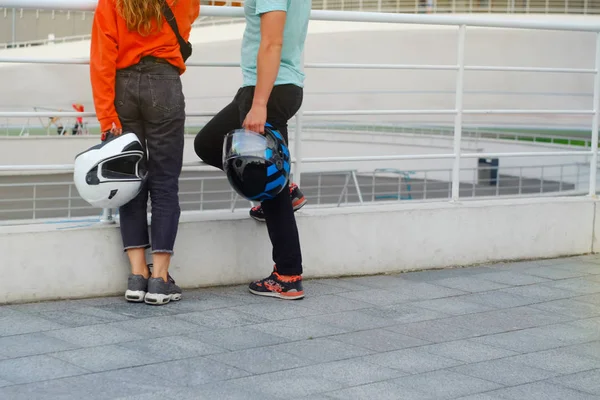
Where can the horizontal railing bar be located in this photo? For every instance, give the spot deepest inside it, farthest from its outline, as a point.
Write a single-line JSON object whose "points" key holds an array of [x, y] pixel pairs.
{"points": [[85, 61], [528, 69], [346, 16], [34, 114]]}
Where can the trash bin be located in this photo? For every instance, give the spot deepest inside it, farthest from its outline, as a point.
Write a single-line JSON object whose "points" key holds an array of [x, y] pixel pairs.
{"points": [[487, 171]]}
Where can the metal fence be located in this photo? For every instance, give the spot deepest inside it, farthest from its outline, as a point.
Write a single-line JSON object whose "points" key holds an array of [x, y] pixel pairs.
{"points": [[455, 189], [31, 27], [56, 197]]}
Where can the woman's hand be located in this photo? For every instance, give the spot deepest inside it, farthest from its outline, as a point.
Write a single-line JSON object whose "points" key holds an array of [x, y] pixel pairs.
{"points": [[256, 119], [112, 132]]}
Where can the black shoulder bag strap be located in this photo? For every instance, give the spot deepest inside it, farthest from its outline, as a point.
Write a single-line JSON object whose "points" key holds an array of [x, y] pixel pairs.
{"points": [[184, 47]]}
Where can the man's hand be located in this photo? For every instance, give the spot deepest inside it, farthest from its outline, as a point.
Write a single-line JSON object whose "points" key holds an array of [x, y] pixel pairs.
{"points": [[112, 132], [256, 119]]}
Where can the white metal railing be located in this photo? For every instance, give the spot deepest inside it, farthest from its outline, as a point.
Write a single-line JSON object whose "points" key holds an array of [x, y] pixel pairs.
{"points": [[59, 198], [458, 111]]}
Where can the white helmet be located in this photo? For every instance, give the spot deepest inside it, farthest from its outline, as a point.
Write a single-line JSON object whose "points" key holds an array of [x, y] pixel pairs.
{"points": [[111, 173]]}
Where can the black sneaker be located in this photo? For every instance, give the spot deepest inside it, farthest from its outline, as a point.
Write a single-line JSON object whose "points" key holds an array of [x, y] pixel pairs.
{"points": [[287, 287], [161, 292], [137, 286], [298, 201]]}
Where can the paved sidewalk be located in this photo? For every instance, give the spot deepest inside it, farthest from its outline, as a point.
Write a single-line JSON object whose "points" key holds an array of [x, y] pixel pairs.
{"points": [[513, 331]]}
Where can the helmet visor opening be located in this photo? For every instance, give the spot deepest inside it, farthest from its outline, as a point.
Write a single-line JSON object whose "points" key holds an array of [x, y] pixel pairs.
{"points": [[122, 167], [246, 143]]}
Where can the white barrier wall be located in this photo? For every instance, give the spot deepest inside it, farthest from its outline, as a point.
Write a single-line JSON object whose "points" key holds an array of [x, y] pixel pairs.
{"points": [[72, 260]]}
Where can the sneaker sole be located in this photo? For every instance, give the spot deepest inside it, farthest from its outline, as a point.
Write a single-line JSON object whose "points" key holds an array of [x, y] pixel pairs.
{"points": [[298, 205], [135, 296], [287, 296], [160, 299]]}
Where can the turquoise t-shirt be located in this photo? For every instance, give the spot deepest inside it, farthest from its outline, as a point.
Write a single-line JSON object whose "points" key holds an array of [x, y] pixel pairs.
{"points": [[294, 35]]}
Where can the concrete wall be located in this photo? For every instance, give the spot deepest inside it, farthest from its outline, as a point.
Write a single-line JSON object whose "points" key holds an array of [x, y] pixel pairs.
{"points": [[209, 89], [229, 248]]}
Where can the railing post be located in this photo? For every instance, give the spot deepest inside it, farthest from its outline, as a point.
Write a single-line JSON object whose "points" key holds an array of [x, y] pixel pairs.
{"points": [[596, 108], [107, 217], [460, 59]]}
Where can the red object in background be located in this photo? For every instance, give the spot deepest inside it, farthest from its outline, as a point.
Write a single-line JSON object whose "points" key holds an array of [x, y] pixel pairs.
{"points": [[79, 108]]}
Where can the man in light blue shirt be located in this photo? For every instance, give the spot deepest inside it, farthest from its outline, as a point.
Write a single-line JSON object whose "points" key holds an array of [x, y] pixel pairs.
{"points": [[294, 35], [272, 91]]}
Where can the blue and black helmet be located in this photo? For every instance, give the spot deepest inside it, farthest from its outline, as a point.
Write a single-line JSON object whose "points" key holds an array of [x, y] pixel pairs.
{"points": [[257, 166]]}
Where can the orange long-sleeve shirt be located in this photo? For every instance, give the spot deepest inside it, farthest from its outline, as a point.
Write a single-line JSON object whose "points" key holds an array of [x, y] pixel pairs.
{"points": [[114, 47]]}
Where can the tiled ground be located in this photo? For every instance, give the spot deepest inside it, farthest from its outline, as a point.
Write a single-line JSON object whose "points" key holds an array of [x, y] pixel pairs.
{"points": [[513, 331]]}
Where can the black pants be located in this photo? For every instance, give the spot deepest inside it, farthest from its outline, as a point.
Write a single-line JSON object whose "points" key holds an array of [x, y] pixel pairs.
{"points": [[150, 102], [283, 104]]}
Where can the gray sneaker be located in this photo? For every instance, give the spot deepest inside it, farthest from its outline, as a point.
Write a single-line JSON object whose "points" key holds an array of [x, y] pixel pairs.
{"points": [[137, 286], [161, 292]]}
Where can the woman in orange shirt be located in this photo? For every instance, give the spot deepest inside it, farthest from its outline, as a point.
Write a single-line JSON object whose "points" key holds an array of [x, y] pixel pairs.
{"points": [[136, 60]]}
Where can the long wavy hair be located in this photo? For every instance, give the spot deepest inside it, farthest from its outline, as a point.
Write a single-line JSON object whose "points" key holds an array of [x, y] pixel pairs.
{"points": [[139, 14]]}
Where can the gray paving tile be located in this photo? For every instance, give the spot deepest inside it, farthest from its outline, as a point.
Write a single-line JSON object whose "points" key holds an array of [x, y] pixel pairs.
{"points": [[468, 351], [480, 396], [511, 278], [36, 368], [504, 372], [386, 390], [409, 291], [404, 313], [591, 268], [179, 394], [202, 301], [31, 344], [568, 333], [94, 335], [521, 341], [68, 318], [434, 275], [222, 318], [569, 307], [137, 310], [331, 303], [412, 361], [557, 360], [260, 360], [506, 320], [349, 372], [453, 306], [470, 284], [589, 298], [276, 311], [577, 285], [540, 292], [351, 320], [172, 348], [290, 384], [541, 391], [17, 323], [349, 284], [554, 272], [156, 326], [298, 330], [322, 350], [591, 349], [4, 383], [499, 299], [379, 340], [238, 338], [105, 358], [435, 331], [315, 288], [446, 384], [588, 381], [100, 313], [191, 372]]}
